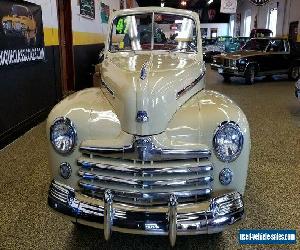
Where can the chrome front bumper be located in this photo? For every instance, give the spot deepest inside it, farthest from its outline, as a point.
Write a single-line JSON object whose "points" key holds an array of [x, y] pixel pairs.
{"points": [[234, 71], [205, 217]]}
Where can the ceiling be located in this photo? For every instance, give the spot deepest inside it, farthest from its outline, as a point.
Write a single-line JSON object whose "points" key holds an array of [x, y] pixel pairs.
{"points": [[191, 4], [199, 6]]}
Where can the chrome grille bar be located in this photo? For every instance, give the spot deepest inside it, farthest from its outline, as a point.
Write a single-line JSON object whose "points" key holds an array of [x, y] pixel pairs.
{"points": [[143, 149], [136, 170], [139, 198], [145, 184]]}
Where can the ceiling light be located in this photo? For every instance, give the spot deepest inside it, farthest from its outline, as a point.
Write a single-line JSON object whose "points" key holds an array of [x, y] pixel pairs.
{"points": [[209, 2]]}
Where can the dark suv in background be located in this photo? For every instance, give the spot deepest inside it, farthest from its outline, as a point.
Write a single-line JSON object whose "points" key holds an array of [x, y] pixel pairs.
{"points": [[260, 57]]}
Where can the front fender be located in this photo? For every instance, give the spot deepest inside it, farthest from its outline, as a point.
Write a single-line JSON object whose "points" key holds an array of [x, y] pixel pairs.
{"points": [[92, 117], [216, 108], [197, 121]]}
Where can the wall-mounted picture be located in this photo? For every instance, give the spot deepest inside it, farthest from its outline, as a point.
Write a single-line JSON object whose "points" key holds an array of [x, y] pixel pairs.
{"points": [[121, 4], [21, 33], [104, 13], [87, 8]]}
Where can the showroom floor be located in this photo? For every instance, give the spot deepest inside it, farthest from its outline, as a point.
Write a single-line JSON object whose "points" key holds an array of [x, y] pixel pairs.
{"points": [[272, 193]]}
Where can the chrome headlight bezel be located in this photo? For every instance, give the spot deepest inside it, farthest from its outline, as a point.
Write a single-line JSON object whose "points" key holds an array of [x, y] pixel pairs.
{"points": [[239, 141], [70, 133]]}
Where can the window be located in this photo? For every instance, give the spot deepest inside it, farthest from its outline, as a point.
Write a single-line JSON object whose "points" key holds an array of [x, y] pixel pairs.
{"points": [[247, 23], [231, 26], [213, 32], [277, 46], [273, 20], [256, 44]]}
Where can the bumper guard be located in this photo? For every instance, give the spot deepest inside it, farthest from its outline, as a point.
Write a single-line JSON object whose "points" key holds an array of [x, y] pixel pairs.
{"points": [[206, 217]]}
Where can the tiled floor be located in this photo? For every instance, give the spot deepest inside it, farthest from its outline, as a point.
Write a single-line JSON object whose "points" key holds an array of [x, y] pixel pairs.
{"points": [[272, 195]]}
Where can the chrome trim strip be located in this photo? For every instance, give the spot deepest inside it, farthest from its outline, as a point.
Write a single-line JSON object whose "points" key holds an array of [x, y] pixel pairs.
{"points": [[108, 214], [145, 184], [106, 150], [189, 87], [212, 216], [146, 152], [136, 170], [172, 220], [108, 88]]}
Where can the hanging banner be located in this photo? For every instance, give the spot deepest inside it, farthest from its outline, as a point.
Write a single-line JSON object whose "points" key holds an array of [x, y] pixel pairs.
{"points": [[228, 6], [21, 33]]}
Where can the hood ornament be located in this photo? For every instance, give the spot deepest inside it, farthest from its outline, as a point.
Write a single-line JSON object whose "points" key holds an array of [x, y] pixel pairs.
{"points": [[142, 116], [144, 72]]}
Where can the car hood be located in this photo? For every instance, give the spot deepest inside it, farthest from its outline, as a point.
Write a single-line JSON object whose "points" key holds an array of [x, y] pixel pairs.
{"points": [[149, 83], [241, 54]]}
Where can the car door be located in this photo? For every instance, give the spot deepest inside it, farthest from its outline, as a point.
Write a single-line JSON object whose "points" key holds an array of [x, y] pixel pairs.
{"points": [[278, 56], [262, 57]]}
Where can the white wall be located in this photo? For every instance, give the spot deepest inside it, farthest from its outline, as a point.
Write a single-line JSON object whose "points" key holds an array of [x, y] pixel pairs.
{"points": [[223, 28], [49, 10], [288, 11], [84, 24], [292, 14]]}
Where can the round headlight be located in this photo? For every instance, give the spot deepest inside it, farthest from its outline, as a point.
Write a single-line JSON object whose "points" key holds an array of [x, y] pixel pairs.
{"points": [[228, 141], [63, 135]]}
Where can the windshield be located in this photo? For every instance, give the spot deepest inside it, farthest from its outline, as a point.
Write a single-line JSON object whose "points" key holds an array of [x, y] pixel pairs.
{"points": [[208, 41], [256, 44], [168, 32]]}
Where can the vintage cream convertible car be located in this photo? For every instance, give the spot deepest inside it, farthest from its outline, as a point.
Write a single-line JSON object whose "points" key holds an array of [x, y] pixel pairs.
{"points": [[150, 151]]}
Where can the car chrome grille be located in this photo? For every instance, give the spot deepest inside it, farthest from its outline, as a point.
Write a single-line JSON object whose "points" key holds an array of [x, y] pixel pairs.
{"points": [[219, 60], [145, 183]]}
